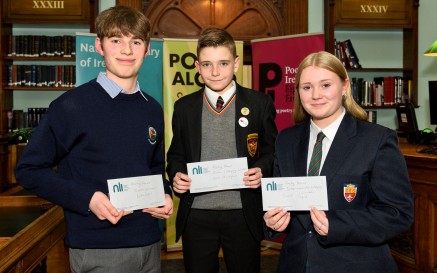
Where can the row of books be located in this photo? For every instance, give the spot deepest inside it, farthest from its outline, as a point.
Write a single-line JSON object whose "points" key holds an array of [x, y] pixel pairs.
{"points": [[381, 91], [42, 75], [345, 52], [18, 119], [41, 45]]}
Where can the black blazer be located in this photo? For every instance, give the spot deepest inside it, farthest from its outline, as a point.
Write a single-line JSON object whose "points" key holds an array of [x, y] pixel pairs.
{"points": [[185, 148], [367, 156]]}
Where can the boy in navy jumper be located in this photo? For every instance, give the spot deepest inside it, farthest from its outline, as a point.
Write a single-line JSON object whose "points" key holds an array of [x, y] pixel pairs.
{"points": [[104, 129]]}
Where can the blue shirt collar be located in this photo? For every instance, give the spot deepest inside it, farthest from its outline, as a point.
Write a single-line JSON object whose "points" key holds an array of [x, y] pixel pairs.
{"points": [[114, 89]]}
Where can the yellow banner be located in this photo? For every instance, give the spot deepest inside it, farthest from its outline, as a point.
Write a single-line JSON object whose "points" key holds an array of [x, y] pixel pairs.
{"points": [[180, 78]]}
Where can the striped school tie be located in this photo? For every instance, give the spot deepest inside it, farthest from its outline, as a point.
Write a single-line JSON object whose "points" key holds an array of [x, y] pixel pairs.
{"points": [[316, 157]]}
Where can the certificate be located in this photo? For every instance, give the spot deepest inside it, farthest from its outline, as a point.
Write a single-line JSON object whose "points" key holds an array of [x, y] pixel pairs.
{"points": [[294, 193], [134, 193], [217, 175]]}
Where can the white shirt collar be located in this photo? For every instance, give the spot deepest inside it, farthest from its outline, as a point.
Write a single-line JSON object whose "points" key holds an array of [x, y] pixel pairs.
{"points": [[330, 130], [213, 96]]}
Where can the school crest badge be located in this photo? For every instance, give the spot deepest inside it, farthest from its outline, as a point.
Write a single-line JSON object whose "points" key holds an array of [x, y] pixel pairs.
{"points": [[152, 135], [350, 191], [252, 144]]}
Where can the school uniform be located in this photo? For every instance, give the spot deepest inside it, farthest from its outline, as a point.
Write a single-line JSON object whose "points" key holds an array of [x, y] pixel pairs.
{"points": [[255, 132], [369, 195]]}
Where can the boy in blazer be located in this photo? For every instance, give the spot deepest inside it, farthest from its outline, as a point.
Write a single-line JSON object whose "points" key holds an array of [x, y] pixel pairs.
{"points": [[241, 124], [369, 193]]}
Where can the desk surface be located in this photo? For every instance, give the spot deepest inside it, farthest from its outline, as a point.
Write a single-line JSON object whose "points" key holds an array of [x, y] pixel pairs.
{"points": [[28, 247], [411, 150], [17, 212], [14, 219]]}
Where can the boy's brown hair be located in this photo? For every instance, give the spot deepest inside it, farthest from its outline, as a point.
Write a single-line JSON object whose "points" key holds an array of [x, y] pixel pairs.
{"points": [[214, 37], [122, 20]]}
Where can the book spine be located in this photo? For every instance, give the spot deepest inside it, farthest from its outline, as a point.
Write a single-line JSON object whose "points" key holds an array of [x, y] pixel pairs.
{"points": [[371, 116], [51, 75], [33, 75], [10, 116], [57, 46], [38, 76], [10, 75], [43, 45], [59, 76], [36, 49], [19, 44], [31, 117], [347, 57], [355, 63], [26, 46], [18, 119], [73, 45], [73, 82], [49, 45]]}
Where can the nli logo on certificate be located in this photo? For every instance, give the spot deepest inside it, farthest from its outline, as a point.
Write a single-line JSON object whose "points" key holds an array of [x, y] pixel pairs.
{"points": [[217, 175], [294, 193], [139, 192]]}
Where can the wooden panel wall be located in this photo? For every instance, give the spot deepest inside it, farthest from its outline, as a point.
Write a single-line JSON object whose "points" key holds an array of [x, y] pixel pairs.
{"points": [[284, 17]]}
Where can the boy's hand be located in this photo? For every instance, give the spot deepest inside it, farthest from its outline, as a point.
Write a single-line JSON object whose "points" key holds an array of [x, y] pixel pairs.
{"points": [[103, 209], [181, 183], [163, 212], [252, 178]]}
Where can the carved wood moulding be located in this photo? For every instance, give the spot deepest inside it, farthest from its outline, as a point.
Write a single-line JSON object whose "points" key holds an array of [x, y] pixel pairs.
{"points": [[244, 20]]}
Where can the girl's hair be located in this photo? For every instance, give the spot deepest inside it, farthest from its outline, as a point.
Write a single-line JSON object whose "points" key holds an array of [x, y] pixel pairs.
{"points": [[328, 61]]}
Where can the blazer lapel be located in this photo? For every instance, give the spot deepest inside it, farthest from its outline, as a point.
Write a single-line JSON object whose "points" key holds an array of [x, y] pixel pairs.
{"points": [[194, 121], [343, 142], [296, 151], [300, 148], [241, 132]]}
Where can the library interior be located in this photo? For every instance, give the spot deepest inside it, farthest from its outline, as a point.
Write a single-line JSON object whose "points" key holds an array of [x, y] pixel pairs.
{"points": [[389, 50]]}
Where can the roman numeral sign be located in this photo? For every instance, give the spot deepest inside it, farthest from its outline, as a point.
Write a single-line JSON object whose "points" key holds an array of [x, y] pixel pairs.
{"points": [[48, 4], [373, 9]]}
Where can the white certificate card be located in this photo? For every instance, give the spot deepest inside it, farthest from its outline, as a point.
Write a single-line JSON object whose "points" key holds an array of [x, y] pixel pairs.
{"points": [[139, 192], [294, 193], [217, 175]]}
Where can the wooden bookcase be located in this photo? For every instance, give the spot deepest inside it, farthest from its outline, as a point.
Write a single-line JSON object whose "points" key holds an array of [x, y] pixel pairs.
{"points": [[36, 14], [372, 20]]}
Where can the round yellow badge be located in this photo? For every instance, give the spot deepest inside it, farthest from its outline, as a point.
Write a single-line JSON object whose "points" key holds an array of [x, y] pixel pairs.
{"points": [[245, 111]]}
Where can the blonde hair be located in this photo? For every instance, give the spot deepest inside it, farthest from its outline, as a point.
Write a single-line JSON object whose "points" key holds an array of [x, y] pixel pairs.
{"points": [[328, 61]]}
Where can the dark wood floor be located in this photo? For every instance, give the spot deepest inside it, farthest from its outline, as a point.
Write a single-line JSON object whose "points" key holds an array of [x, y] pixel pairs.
{"points": [[57, 261], [166, 255]]}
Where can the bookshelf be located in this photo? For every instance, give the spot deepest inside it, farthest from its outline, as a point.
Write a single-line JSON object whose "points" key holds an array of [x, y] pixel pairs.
{"points": [[385, 37], [55, 20], [58, 18]]}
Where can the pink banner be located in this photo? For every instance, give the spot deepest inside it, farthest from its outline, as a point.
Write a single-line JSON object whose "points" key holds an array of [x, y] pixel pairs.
{"points": [[275, 61]]}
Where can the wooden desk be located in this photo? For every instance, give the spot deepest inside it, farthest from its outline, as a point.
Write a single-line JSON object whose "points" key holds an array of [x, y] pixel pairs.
{"points": [[28, 236], [416, 250]]}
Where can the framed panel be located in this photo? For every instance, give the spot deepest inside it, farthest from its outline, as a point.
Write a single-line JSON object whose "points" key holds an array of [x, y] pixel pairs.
{"points": [[378, 13], [46, 12]]}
